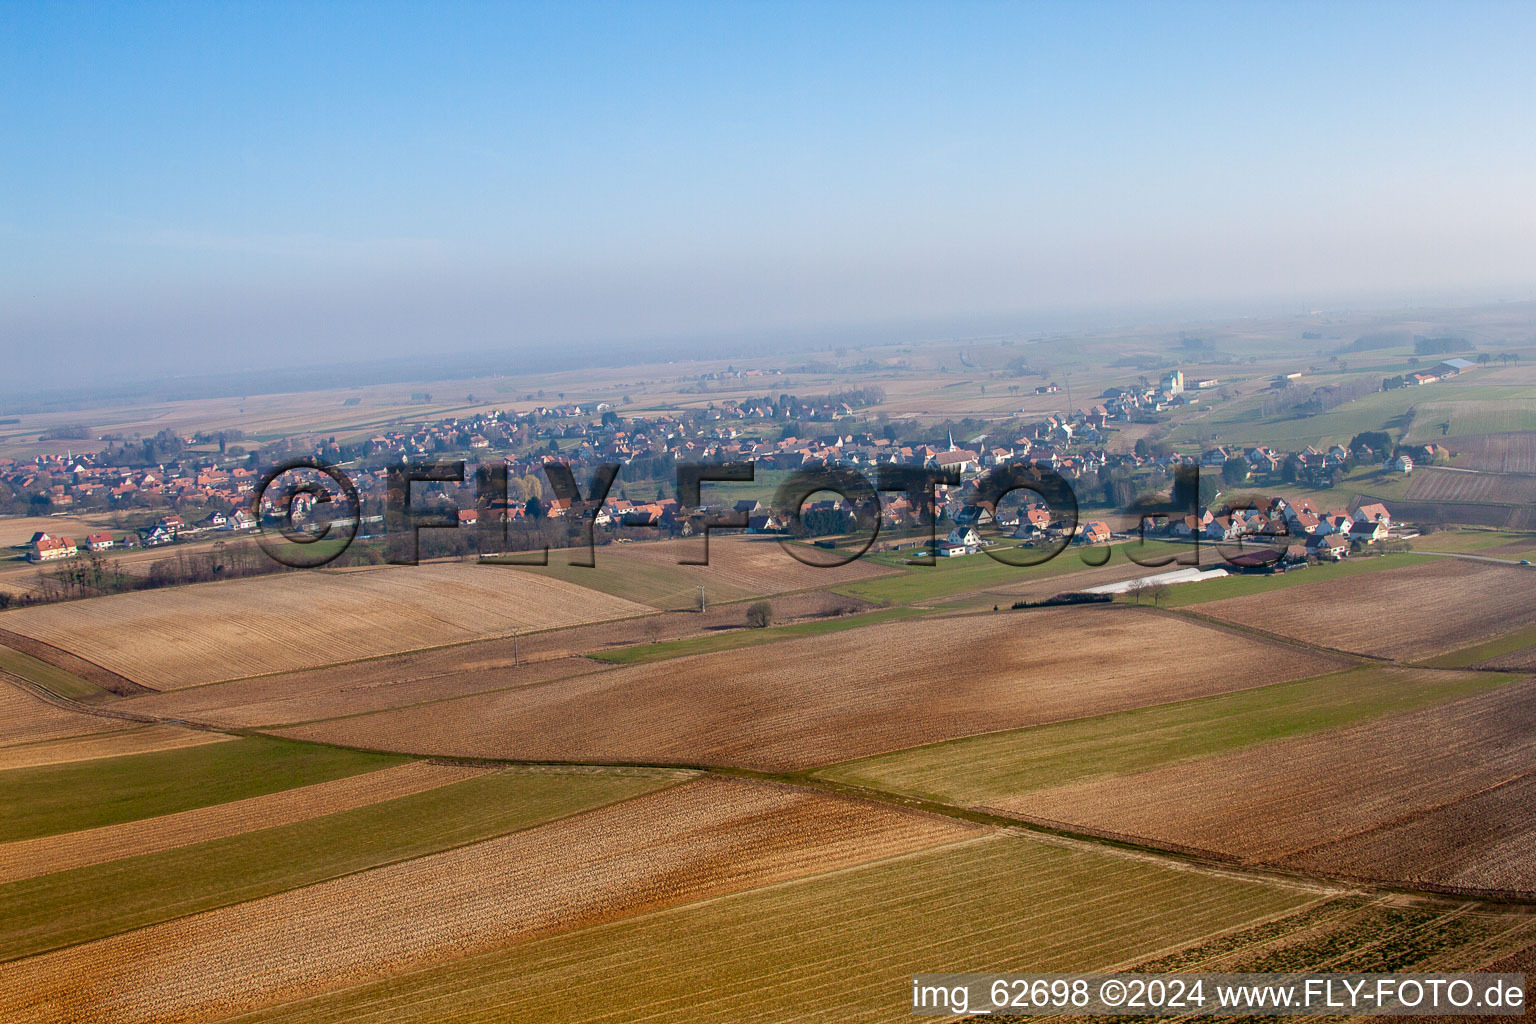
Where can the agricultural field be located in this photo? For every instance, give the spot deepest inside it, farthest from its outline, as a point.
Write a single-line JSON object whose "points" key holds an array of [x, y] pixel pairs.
{"points": [[1431, 484], [98, 900], [43, 855], [740, 568], [985, 771], [52, 799], [358, 688], [759, 707], [691, 843], [165, 639], [25, 719], [1511, 452], [16, 531], [1332, 800], [125, 738], [1473, 412], [1409, 613]]}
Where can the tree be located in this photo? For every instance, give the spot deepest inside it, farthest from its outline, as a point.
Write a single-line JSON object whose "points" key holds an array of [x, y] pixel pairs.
{"points": [[534, 509], [759, 614], [1234, 471]]}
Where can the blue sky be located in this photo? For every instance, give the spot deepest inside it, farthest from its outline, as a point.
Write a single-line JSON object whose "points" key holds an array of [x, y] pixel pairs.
{"points": [[283, 181]]}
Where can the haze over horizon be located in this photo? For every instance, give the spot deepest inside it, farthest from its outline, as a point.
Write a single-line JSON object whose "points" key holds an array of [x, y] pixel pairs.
{"points": [[232, 186]]}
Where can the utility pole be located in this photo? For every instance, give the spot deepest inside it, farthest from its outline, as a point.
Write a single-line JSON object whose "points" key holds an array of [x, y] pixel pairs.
{"points": [[514, 650], [702, 606]]}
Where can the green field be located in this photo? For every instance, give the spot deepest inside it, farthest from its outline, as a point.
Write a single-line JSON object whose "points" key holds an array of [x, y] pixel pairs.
{"points": [[659, 585], [56, 798], [1468, 407], [980, 769], [839, 947], [640, 654], [953, 576], [1516, 545], [1184, 594], [90, 902], [1509, 643], [55, 680]]}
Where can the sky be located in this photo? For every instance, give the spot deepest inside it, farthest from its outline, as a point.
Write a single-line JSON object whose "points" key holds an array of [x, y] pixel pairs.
{"points": [[234, 184]]}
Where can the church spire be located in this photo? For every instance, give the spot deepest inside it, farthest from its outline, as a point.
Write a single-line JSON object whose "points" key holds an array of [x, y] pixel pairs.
{"points": [[951, 440]]}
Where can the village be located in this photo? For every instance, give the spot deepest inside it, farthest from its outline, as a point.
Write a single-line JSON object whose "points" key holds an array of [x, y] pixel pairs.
{"points": [[198, 493]]}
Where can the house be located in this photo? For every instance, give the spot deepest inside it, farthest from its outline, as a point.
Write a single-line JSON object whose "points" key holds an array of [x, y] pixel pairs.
{"points": [[975, 514], [99, 541], [763, 522], [1373, 513], [965, 537], [1096, 532], [947, 550], [1223, 528], [241, 519], [157, 536], [469, 516], [961, 461], [46, 548], [1401, 464], [1334, 547], [1368, 532]]}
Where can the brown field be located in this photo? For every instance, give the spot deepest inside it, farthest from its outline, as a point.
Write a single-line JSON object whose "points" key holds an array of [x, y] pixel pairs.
{"points": [[1401, 613], [124, 739], [1511, 452], [1430, 484], [1484, 842], [26, 719], [692, 842], [417, 676], [1343, 801], [810, 701], [740, 567], [374, 685], [30, 858], [165, 639]]}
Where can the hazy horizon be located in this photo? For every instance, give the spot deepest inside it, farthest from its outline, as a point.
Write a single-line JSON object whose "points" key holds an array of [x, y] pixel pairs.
{"points": [[218, 190]]}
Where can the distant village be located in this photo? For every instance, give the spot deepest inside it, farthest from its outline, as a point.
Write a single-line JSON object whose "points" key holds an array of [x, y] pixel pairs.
{"points": [[190, 494]]}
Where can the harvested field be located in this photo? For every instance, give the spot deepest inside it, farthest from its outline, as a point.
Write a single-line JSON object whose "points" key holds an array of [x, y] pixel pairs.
{"points": [[740, 567], [1430, 484], [842, 946], [47, 854], [1285, 800], [1405, 613], [24, 718], [124, 740], [409, 678], [212, 631], [373, 685], [1357, 933], [1509, 452], [987, 770], [869, 692], [91, 902], [1485, 842], [696, 841]]}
